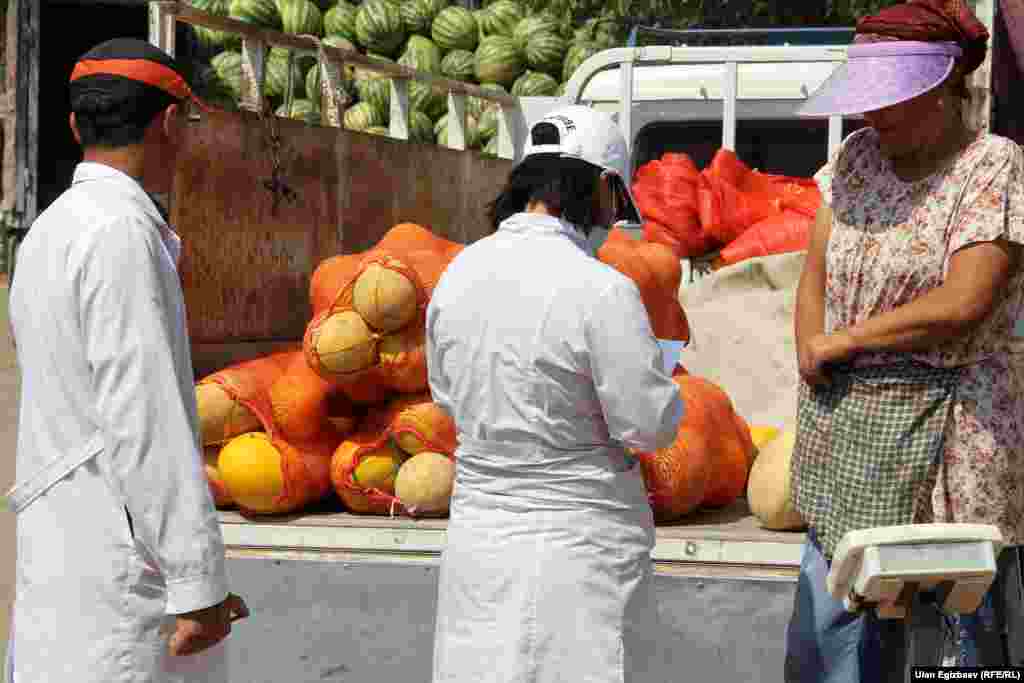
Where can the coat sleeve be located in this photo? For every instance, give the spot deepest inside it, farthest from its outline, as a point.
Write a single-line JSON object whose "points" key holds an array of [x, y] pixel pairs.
{"points": [[641, 403], [133, 329]]}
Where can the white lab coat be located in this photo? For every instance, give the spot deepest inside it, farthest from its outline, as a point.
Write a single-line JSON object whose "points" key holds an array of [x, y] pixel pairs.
{"points": [[546, 361], [107, 428]]}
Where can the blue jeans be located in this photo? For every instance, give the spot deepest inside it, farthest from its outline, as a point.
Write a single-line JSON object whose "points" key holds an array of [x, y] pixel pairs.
{"points": [[827, 644]]}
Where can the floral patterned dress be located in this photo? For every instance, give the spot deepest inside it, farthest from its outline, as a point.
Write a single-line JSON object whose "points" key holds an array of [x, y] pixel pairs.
{"points": [[891, 242]]}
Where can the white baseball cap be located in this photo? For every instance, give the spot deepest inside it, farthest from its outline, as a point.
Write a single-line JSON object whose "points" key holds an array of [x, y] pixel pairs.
{"points": [[591, 136]]}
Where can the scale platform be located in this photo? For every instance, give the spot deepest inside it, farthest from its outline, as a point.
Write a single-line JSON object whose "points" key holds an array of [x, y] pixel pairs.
{"points": [[886, 566]]}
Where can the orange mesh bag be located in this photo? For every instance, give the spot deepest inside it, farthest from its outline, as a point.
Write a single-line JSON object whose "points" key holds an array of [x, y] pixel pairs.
{"points": [[710, 460], [330, 277], [677, 477], [730, 448], [234, 400], [300, 401], [221, 497], [666, 194], [727, 167], [403, 360], [657, 273], [365, 464], [266, 475], [341, 343], [423, 426]]}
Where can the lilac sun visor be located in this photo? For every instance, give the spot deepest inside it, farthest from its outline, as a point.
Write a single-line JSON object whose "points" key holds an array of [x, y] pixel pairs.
{"points": [[881, 74]]}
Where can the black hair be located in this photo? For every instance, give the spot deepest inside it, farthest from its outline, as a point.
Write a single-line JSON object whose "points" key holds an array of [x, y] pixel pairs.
{"points": [[117, 117], [114, 111], [563, 184]]}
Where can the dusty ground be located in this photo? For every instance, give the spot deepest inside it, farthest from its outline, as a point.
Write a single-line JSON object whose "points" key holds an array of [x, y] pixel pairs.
{"points": [[8, 426]]}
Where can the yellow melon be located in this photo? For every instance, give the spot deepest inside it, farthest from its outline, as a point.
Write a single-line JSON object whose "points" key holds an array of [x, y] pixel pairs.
{"points": [[423, 427], [385, 297], [762, 434], [378, 468], [424, 484], [221, 417], [345, 343], [221, 497], [768, 488], [250, 466]]}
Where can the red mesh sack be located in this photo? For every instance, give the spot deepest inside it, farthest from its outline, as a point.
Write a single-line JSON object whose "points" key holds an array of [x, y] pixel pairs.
{"points": [[787, 232], [423, 426], [725, 211]]}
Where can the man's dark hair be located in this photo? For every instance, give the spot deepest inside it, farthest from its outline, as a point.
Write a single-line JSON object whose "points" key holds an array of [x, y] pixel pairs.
{"points": [[112, 119], [114, 111], [563, 184]]}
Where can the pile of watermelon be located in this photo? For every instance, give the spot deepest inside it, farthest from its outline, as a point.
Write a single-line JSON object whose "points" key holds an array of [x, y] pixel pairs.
{"points": [[501, 47], [727, 210]]}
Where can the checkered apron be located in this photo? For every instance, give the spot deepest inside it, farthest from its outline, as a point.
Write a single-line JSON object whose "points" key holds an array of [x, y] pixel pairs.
{"points": [[865, 444]]}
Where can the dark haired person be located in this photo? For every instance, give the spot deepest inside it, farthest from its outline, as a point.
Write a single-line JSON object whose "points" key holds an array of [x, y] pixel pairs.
{"points": [[911, 407], [118, 538], [546, 361]]}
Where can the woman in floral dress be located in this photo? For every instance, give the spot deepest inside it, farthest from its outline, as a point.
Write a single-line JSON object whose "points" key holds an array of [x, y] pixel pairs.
{"points": [[905, 327]]}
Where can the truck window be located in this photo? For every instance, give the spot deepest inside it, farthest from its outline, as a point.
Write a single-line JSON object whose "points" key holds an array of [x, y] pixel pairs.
{"points": [[786, 146]]}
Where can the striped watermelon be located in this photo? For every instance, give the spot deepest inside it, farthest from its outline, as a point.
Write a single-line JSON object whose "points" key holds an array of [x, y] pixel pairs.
{"points": [[455, 28], [361, 116], [429, 99], [215, 91], [303, 110], [259, 12], [488, 124], [419, 15], [377, 93], [314, 92], [275, 81], [301, 17], [458, 65], [211, 39], [501, 18], [379, 26], [535, 84], [421, 128], [421, 54], [577, 54], [340, 20], [499, 60], [228, 68], [472, 131], [528, 26], [546, 52]]}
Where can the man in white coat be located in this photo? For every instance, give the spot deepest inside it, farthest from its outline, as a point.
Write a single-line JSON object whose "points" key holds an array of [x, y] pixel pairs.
{"points": [[120, 560], [546, 360]]}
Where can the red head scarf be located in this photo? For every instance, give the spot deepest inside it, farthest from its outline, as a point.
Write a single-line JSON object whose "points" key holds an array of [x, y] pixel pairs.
{"points": [[932, 21]]}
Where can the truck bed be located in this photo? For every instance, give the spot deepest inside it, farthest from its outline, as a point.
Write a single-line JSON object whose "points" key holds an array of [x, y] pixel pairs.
{"points": [[728, 539]]}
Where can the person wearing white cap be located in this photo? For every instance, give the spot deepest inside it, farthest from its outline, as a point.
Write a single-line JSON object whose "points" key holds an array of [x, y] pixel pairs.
{"points": [[911, 407], [546, 361]]}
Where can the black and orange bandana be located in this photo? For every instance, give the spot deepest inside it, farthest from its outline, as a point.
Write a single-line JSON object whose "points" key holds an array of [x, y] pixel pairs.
{"points": [[127, 68]]}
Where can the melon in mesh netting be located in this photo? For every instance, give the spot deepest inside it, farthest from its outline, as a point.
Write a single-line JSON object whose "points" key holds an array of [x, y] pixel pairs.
{"points": [[403, 359], [375, 494], [424, 484], [267, 475], [422, 425], [233, 401], [287, 465]]}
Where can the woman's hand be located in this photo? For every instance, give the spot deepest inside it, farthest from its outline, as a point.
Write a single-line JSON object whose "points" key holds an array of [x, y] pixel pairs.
{"points": [[821, 350]]}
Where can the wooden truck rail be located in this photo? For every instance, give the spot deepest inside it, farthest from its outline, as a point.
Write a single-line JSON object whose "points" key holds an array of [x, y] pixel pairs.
{"points": [[256, 42]]}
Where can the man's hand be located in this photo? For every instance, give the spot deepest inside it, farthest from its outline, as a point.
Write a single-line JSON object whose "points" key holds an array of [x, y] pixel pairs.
{"points": [[819, 351], [204, 628]]}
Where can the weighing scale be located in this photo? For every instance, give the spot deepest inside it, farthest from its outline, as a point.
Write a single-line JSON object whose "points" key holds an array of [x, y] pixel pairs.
{"points": [[883, 568]]}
